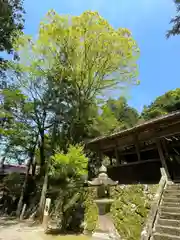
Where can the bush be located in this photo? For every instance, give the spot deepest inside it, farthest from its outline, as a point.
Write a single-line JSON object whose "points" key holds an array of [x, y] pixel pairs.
{"points": [[91, 211], [129, 210]]}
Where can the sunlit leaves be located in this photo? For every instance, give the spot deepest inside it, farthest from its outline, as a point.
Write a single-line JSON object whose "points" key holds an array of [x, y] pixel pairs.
{"points": [[86, 49], [73, 161], [168, 102]]}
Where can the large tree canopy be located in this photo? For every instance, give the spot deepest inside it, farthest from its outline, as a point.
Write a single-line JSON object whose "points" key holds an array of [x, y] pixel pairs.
{"points": [[60, 78], [74, 60]]}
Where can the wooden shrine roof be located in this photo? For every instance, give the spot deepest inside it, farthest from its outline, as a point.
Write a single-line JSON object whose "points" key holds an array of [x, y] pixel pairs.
{"points": [[156, 128]]}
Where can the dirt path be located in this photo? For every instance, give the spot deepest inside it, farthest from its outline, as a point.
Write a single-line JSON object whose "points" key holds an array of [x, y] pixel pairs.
{"points": [[11, 229]]}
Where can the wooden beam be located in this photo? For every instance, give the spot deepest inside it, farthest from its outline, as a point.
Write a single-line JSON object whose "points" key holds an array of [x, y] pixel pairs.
{"points": [[137, 163], [162, 158], [164, 132], [164, 146], [127, 140], [136, 143]]}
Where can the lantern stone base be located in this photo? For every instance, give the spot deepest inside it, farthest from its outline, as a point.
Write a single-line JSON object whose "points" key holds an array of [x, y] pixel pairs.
{"points": [[103, 236], [105, 229]]}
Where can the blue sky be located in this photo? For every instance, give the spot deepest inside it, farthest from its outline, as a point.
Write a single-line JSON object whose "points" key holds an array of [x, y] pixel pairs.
{"points": [[148, 20]]}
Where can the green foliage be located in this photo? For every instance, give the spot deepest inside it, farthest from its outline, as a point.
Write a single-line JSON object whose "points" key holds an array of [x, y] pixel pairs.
{"points": [[91, 211], [13, 183], [129, 210], [116, 115], [63, 83], [164, 104], [11, 13], [126, 115], [175, 30], [16, 130], [91, 50], [106, 122], [73, 161], [60, 77], [11, 22], [86, 58]]}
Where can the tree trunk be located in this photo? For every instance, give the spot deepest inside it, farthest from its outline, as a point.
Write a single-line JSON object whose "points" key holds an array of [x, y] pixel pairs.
{"points": [[43, 195], [42, 154], [2, 164], [20, 203], [46, 168], [34, 169], [4, 158], [29, 164]]}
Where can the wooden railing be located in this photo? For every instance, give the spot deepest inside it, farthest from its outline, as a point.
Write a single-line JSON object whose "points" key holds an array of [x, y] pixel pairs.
{"points": [[149, 225]]}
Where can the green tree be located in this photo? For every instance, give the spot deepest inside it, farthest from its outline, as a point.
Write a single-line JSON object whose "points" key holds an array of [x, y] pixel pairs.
{"points": [[106, 122], [86, 61], [127, 116], [18, 132], [175, 21], [11, 22], [65, 70], [115, 115], [164, 104], [73, 163]]}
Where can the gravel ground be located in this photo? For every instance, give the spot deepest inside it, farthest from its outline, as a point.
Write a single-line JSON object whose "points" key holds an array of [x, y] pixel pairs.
{"points": [[11, 229]]}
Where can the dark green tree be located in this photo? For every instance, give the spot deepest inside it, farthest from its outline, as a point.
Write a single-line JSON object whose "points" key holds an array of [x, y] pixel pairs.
{"points": [[127, 116], [167, 103], [11, 22], [115, 115], [175, 30]]}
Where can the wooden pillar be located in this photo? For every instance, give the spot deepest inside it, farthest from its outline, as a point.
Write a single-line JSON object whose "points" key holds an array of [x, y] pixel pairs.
{"points": [[162, 158], [117, 156], [164, 146], [99, 155], [110, 159], [136, 143]]}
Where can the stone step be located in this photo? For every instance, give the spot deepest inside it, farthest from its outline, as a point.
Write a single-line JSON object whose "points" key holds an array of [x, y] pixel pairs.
{"points": [[168, 230], [159, 236], [173, 187], [169, 215], [170, 199], [170, 204], [172, 191], [170, 209], [174, 194], [168, 222]]}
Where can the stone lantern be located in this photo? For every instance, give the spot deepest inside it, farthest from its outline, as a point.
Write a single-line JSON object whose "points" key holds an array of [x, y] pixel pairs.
{"points": [[105, 228]]}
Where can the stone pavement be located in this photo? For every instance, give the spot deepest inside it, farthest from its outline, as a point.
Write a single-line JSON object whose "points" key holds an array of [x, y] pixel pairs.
{"points": [[11, 229]]}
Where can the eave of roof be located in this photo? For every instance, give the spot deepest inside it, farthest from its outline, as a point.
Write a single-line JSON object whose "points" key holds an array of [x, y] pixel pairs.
{"points": [[138, 127]]}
